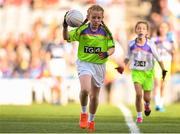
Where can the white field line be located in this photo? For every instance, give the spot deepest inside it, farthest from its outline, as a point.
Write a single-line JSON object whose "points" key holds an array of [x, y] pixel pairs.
{"points": [[129, 119]]}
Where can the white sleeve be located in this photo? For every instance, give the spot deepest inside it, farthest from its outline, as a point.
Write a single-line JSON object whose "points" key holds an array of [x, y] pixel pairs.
{"points": [[154, 50]]}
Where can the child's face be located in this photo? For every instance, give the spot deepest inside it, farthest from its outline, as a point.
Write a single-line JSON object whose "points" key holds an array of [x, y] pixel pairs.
{"points": [[95, 18], [141, 30], [163, 29]]}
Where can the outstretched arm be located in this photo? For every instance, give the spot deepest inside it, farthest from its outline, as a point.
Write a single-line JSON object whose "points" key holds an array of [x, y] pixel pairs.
{"points": [[121, 67], [159, 60], [163, 69], [161, 65]]}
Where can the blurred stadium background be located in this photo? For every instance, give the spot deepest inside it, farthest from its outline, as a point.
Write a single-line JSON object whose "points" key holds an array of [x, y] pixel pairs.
{"points": [[38, 66], [38, 75]]}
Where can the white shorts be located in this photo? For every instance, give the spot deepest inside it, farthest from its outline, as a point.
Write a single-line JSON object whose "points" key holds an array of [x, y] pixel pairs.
{"points": [[97, 71], [58, 67]]}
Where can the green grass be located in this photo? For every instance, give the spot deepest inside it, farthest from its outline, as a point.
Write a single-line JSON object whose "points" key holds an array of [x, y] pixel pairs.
{"points": [[59, 119], [46, 118], [161, 122]]}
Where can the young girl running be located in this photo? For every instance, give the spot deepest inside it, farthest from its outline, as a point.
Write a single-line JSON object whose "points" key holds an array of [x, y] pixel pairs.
{"points": [[141, 52], [95, 45]]}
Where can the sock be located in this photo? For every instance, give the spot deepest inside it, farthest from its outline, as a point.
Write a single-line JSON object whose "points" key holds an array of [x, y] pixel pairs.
{"points": [[139, 114], [84, 109], [91, 117]]}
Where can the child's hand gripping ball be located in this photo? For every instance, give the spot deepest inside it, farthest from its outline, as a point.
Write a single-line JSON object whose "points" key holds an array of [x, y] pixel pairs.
{"points": [[74, 18]]}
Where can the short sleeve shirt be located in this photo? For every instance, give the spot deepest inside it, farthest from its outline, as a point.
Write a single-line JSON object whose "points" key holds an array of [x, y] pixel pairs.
{"points": [[142, 57], [91, 43]]}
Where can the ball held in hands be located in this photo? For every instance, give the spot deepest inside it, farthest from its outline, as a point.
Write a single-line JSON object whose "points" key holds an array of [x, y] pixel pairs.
{"points": [[74, 18]]}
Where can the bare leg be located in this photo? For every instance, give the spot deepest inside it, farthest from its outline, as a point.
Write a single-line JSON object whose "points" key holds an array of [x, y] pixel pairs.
{"points": [[138, 89], [162, 88], [85, 81], [157, 86], [163, 83], [147, 96], [147, 99], [94, 99]]}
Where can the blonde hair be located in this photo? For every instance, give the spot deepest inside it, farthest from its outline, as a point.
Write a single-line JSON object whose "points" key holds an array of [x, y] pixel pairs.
{"points": [[97, 8]]}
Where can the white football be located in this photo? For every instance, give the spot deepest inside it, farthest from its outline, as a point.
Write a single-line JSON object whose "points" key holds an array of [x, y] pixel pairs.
{"points": [[74, 18]]}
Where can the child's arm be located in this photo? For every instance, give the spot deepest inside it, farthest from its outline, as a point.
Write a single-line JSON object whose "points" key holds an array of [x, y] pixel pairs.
{"points": [[126, 61], [163, 69], [158, 58], [161, 65], [121, 67]]}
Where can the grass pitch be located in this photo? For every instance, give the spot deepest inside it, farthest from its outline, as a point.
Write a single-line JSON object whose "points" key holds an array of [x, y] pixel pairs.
{"points": [[46, 118], [57, 119], [161, 122]]}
